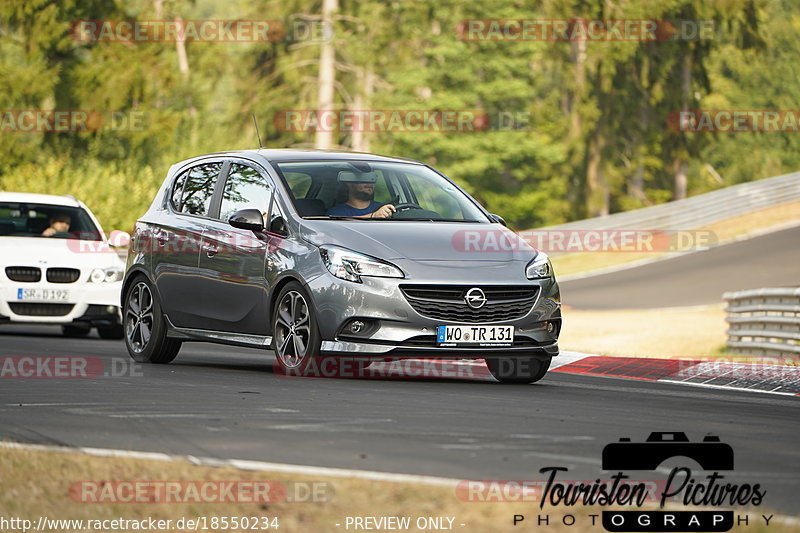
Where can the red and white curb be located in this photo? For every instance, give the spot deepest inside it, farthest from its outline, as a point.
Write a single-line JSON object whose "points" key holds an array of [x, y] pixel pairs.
{"points": [[754, 377]]}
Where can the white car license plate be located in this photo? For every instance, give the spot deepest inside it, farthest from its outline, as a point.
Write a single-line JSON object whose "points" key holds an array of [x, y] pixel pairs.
{"points": [[42, 295], [475, 335]]}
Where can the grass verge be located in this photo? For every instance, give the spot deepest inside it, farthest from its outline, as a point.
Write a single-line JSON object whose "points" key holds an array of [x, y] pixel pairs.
{"points": [[672, 333], [37, 483]]}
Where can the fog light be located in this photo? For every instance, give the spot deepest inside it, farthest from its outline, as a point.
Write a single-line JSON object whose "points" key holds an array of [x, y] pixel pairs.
{"points": [[550, 327], [359, 327], [110, 309]]}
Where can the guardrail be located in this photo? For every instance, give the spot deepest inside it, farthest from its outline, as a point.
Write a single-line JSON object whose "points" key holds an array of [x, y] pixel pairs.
{"points": [[764, 321], [700, 210]]}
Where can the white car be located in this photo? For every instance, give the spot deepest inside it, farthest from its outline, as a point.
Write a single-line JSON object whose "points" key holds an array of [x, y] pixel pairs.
{"points": [[57, 266]]}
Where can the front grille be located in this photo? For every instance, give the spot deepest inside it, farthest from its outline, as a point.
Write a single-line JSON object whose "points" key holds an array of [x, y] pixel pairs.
{"points": [[24, 274], [40, 309], [446, 302], [63, 275]]}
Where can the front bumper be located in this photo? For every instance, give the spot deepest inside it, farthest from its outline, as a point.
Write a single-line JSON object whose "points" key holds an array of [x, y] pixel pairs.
{"points": [[396, 329], [94, 304]]}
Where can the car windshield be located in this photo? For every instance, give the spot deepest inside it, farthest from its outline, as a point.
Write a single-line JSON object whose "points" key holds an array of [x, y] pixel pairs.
{"points": [[356, 189], [46, 221]]}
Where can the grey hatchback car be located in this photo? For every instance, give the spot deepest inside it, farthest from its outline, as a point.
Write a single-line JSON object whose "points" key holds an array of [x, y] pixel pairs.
{"points": [[336, 256]]}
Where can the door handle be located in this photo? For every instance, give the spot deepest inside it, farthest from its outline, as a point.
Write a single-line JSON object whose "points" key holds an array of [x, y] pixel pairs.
{"points": [[211, 251]]}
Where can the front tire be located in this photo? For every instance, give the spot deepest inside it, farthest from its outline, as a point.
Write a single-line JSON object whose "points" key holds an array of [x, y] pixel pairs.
{"points": [[518, 369], [144, 326], [295, 334]]}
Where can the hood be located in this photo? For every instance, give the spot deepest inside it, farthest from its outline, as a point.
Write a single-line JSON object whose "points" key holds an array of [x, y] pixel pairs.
{"points": [[52, 252], [421, 241]]}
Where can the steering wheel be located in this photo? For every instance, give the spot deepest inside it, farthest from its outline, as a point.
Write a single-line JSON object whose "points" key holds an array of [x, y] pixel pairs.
{"points": [[407, 205]]}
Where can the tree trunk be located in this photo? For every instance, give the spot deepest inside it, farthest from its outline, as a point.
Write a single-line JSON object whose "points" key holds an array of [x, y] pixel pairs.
{"points": [[326, 77], [575, 137], [597, 193], [681, 179], [366, 85], [596, 187], [180, 47]]}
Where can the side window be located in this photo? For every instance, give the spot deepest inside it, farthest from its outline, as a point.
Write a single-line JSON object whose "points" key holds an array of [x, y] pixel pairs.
{"points": [[245, 188], [299, 183], [177, 190], [199, 188]]}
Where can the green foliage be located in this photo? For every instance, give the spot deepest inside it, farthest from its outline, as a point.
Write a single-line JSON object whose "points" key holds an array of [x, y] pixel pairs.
{"points": [[591, 131]]}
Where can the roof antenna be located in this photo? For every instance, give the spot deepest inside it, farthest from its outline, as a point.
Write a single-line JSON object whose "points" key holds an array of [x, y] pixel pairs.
{"points": [[258, 135]]}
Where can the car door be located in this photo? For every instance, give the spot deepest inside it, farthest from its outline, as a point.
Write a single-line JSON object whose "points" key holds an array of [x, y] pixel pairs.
{"points": [[231, 263], [177, 239]]}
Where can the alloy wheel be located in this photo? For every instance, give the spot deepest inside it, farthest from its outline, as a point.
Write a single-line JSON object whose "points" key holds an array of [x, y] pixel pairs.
{"points": [[139, 317], [292, 329]]}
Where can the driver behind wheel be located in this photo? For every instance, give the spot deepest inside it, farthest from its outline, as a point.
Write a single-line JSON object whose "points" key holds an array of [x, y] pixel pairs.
{"points": [[360, 194]]}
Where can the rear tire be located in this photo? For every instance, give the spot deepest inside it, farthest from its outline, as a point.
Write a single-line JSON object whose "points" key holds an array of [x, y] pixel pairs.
{"points": [[518, 369], [75, 331], [145, 329]]}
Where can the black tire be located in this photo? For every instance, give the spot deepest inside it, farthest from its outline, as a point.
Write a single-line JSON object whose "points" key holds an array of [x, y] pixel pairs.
{"points": [[518, 369], [112, 333], [75, 331], [295, 334], [141, 314]]}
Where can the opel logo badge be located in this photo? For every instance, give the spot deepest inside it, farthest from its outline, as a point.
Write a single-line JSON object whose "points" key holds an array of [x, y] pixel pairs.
{"points": [[475, 298]]}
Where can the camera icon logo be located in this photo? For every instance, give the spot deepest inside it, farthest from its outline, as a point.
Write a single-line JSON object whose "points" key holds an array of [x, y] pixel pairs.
{"points": [[710, 454]]}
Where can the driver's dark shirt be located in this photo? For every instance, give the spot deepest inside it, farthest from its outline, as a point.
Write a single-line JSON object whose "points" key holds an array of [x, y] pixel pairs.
{"points": [[347, 210]]}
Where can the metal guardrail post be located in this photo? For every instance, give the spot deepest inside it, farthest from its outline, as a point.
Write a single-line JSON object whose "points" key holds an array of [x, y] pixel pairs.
{"points": [[700, 210], [764, 322]]}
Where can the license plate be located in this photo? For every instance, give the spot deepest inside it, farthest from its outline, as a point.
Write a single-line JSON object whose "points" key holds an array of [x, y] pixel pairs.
{"points": [[475, 335], [43, 295]]}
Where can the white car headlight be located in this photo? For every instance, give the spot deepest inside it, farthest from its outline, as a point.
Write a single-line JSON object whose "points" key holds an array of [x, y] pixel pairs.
{"points": [[350, 265], [539, 268], [106, 275]]}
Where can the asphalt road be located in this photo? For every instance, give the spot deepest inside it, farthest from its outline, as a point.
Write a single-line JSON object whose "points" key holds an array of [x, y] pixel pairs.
{"points": [[771, 260], [224, 402]]}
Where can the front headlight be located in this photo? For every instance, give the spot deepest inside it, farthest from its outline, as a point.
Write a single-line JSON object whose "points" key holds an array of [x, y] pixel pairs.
{"points": [[350, 265], [106, 275], [539, 268]]}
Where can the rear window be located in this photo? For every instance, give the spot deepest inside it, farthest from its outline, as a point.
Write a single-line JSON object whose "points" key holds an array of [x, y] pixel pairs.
{"points": [[46, 221], [193, 189]]}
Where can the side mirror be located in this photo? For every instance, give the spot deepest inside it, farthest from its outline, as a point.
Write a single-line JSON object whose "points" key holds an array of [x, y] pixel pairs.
{"points": [[278, 226], [119, 239], [497, 219], [250, 219]]}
